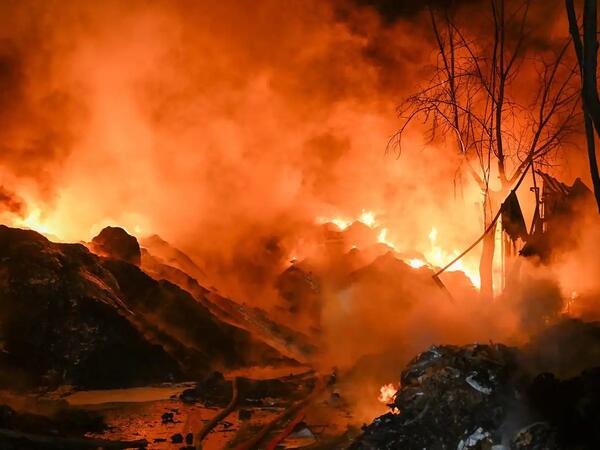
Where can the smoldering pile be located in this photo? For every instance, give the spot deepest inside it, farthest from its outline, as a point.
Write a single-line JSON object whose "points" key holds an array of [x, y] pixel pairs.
{"points": [[72, 317], [498, 397]]}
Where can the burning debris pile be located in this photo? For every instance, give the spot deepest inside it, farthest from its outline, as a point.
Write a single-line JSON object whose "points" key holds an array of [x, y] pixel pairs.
{"points": [[487, 396]]}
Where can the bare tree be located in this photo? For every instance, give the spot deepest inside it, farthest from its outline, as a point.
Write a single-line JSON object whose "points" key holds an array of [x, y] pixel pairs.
{"points": [[587, 54], [476, 96]]}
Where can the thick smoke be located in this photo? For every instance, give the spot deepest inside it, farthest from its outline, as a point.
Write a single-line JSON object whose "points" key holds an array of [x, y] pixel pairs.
{"points": [[228, 128], [225, 128], [10, 202]]}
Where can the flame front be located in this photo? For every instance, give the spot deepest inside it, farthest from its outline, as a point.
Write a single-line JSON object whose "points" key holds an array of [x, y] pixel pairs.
{"points": [[434, 253], [34, 221]]}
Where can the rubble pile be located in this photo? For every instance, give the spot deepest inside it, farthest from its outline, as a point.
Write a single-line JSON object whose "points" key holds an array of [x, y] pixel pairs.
{"points": [[449, 395], [482, 397], [116, 243], [69, 316], [177, 268]]}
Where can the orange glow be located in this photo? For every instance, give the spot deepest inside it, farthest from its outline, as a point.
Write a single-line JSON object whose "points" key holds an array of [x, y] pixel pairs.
{"points": [[435, 254], [366, 217], [439, 257], [33, 221], [387, 393], [382, 238], [416, 263]]}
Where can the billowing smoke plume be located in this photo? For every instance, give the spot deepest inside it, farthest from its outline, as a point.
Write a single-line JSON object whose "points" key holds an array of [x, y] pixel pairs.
{"points": [[225, 128], [229, 128]]}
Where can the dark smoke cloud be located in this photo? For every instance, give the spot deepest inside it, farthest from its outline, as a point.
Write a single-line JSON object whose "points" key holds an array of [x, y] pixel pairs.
{"points": [[10, 202], [39, 108], [392, 10]]}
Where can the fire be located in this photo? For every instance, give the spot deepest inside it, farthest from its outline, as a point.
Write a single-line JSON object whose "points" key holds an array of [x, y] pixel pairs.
{"points": [[570, 302], [439, 257], [366, 217], [383, 239], [435, 254], [342, 224], [416, 263], [433, 235], [387, 393], [34, 221]]}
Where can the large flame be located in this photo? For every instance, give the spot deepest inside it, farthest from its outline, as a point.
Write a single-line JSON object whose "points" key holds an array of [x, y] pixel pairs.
{"points": [[35, 220], [439, 257], [436, 254]]}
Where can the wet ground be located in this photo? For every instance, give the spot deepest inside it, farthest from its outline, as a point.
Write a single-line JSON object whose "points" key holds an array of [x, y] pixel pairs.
{"points": [[137, 413]]}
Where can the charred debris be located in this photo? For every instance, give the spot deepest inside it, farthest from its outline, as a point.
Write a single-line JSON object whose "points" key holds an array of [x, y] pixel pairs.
{"points": [[496, 397]]}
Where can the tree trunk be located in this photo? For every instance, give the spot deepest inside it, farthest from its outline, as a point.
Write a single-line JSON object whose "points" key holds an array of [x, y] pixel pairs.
{"points": [[486, 262], [593, 163], [587, 52], [486, 265]]}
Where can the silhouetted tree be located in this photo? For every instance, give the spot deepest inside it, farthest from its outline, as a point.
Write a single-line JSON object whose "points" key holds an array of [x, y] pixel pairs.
{"points": [[498, 126], [587, 59]]}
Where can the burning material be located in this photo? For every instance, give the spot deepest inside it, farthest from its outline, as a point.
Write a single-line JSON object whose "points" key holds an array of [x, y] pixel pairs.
{"points": [[439, 257], [382, 238], [416, 263], [33, 221], [477, 396], [387, 392], [296, 240], [366, 217]]}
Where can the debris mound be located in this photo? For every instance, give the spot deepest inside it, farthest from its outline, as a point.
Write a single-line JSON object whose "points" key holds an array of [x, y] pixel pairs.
{"points": [[116, 243], [480, 397], [449, 395], [72, 317]]}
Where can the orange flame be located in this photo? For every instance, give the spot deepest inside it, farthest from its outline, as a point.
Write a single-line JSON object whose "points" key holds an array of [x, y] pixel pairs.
{"points": [[387, 393], [34, 221], [366, 217]]}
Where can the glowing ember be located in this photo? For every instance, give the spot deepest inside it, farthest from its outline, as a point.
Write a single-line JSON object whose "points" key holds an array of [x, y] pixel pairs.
{"points": [[416, 263], [569, 302], [387, 393]]}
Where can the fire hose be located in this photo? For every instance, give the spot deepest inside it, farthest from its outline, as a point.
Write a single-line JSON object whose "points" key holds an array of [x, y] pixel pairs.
{"points": [[287, 431], [220, 416], [299, 406]]}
